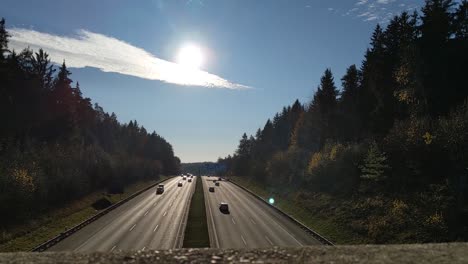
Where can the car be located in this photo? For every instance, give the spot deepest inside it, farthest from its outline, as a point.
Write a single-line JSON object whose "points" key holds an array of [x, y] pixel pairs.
{"points": [[217, 183], [179, 184], [184, 178], [190, 180], [211, 189], [220, 179], [224, 207], [160, 189]]}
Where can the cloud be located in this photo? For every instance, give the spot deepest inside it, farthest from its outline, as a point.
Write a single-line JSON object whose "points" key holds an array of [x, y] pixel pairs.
{"points": [[112, 55], [381, 11]]}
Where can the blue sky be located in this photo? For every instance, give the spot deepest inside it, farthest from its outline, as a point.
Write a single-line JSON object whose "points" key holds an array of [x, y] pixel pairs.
{"points": [[259, 56]]}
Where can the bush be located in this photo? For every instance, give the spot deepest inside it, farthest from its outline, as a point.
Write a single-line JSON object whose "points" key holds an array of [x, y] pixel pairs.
{"points": [[335, 168]]}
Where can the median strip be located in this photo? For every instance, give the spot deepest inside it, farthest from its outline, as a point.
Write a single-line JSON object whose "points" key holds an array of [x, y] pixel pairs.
{"points": [[196, 231]]}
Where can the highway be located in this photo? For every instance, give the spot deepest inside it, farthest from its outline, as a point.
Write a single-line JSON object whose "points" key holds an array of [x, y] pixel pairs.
{"points": [[148, 221], [251, 223]]}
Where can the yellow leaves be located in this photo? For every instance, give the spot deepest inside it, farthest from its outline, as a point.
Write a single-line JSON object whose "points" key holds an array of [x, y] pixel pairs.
{"points": [[428, 138], [435, 219], [399, 207], [24, 179], [330, 153], [315, 161], [403, 96], [335, 151]]}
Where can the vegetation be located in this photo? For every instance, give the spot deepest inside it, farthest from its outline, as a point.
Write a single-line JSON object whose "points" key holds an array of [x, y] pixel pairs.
{"points": [[201, 168], [386, 156], [196, 231], [55, 147]]}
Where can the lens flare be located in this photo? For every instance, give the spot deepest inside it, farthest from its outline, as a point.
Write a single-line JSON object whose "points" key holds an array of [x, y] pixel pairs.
{"points": [[190, 56]]}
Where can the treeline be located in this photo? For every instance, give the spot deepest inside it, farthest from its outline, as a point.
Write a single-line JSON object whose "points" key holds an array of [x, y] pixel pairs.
{"points": [[55, 146], [396, 132], [202, 168]]}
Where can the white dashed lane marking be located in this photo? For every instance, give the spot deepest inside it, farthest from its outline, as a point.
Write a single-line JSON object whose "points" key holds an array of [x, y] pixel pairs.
{"points": [[243, 240]]}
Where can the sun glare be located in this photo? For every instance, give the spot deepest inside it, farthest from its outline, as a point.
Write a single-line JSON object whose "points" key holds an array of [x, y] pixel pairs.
{"points": [[190, 56]]}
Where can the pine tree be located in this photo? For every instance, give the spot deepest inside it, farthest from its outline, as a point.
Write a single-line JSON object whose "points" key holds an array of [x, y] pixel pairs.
{"points": [[375, 163], [325, 99], [460, 22], [321, 117], [3, 39], [349, 120]]}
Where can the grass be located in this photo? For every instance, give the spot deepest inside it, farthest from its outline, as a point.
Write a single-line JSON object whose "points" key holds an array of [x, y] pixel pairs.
{"points": [[328, 225], [196, 231], [27, 236]]}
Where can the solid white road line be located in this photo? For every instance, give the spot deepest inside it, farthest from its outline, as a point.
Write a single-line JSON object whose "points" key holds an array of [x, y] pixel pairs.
{"points": [[155, 228], [132, 227]]}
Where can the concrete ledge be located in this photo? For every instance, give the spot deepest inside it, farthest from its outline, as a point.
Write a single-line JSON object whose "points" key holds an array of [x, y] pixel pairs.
{"points": [[414, 253]]}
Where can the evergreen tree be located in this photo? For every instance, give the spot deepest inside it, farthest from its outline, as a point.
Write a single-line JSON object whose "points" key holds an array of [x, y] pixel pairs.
{"points": [[350, 123], [3, 39], [460, 22], [323, 112]]}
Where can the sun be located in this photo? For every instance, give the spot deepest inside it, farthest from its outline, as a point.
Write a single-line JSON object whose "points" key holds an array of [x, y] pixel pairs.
{"points": [[190, 56]]}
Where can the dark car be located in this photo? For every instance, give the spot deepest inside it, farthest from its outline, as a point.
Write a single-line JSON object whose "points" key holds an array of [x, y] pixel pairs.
{"points": [[190, 180], [160, 189], [220, 179], [217, 183], [211, 189], [179, 184], [224, 207]]}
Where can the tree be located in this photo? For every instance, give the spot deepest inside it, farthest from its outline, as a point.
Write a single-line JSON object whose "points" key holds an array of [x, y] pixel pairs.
{"points": [[43, 69], [323, 109], [3, 39], [460, 21], [375, 163], [350, 123], [435, 33]]}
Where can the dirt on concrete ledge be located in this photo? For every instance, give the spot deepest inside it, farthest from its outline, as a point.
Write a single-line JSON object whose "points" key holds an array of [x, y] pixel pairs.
{"points": [[413, 253]]}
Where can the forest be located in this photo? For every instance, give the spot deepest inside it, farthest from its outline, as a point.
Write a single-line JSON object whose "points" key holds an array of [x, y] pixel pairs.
{"points": [[386, 154], [56, 146]]}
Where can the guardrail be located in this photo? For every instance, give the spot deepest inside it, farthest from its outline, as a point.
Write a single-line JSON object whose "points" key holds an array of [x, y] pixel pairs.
{"points": [[311, 232], [44, 246]]}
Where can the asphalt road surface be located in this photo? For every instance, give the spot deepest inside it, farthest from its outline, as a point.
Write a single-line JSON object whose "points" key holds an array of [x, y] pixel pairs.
{"points": [[148, 221], [250, 223]]}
